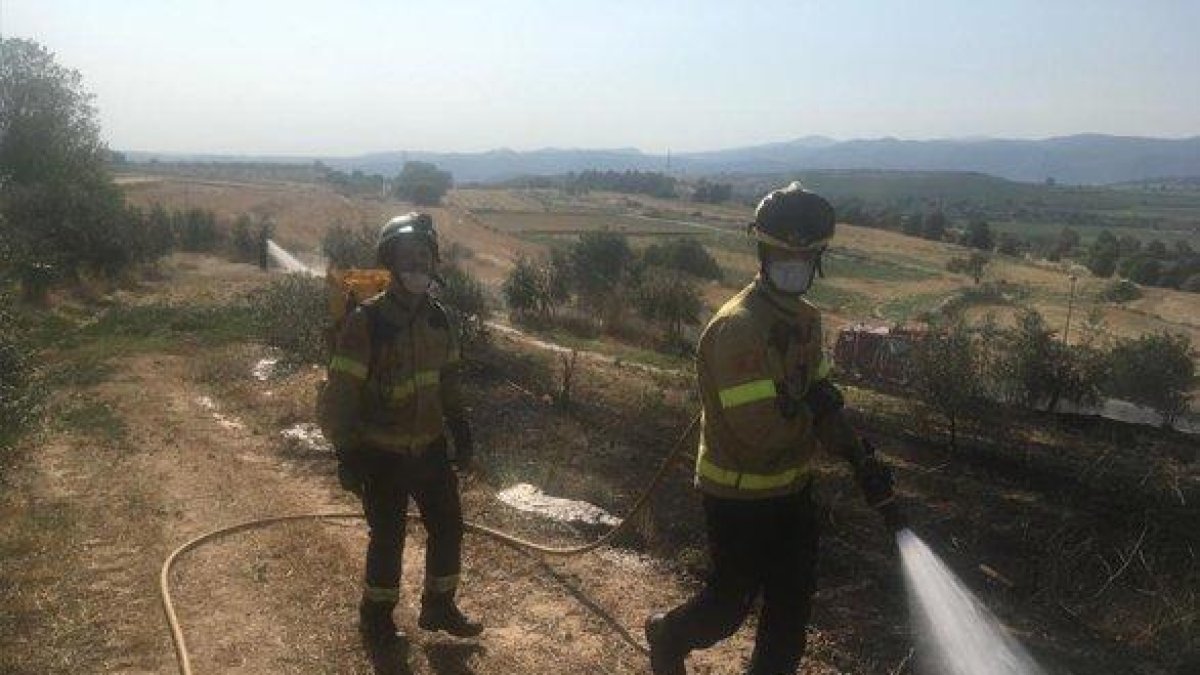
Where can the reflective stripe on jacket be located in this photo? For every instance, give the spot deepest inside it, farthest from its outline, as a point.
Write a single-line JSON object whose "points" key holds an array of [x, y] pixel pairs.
{"points": [[398, 398], [756, 359]]}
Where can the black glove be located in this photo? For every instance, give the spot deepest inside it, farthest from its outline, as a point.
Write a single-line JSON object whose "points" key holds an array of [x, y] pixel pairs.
{"points": [[877, 484], [350, 471], [464, 447]]}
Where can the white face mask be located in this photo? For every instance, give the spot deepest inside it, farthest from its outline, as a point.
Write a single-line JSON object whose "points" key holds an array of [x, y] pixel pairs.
{"points": [[792, 276], [416, 283]]}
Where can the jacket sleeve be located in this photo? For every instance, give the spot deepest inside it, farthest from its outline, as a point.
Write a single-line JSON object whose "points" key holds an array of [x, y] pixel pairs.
{"points": [[739, 389], [453, 407], [347, 381]]}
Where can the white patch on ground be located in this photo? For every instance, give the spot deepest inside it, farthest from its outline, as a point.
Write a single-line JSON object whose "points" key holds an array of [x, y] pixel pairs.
{"points": [[223, 420], [629, 560], [308, 436], [264, 369], [531, 499]]}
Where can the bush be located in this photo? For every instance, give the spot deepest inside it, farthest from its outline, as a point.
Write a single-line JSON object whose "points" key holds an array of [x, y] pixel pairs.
{"points": [[292, 315], [1034, 367], [972, 265], [422, 183], [63, 214], [196, 230], [466, 300], [350, 248], [600, 262], [1120, 290], [670, 298], [1154, 370], [947, 374], [16, 405], [685, 254], [247, 239]]}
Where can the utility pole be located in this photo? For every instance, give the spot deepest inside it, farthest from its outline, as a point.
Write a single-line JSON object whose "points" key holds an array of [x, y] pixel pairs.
{"points": [[1070, 306]]}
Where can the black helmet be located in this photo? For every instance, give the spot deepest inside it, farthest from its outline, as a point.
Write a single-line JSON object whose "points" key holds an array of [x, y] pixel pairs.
{"points": [[794, 219], [418, 226]]}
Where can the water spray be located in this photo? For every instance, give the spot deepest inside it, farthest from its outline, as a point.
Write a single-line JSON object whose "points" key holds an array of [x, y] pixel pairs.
{"points": [[958, 635], [287, 261]]}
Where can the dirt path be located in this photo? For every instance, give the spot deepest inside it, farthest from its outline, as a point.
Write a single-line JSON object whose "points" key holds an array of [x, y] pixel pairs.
{"points": [[87, 523]]}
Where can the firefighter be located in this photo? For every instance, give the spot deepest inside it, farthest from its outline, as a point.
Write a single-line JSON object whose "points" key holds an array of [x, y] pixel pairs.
{"points": [[767, 406], [394, 391]]}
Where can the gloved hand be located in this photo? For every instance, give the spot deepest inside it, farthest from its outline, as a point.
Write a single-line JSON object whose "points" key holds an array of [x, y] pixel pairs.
{"points": [[350, 471], [464, 446], [876, 481]]}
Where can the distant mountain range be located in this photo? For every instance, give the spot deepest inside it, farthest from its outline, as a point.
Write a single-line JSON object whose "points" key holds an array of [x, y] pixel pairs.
{"points": [[1084, 159]]}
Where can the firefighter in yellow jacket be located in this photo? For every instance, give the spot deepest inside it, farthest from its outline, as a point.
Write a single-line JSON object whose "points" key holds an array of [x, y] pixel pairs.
{"points": [[394, 391], [767, 406]]}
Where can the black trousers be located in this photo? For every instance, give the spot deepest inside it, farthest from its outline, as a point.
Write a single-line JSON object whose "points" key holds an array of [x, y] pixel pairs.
{"points": [[759, 546], [389, 480]]}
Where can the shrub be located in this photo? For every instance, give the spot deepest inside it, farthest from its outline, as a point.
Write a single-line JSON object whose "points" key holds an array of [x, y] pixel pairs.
{"points": [[1120, 290], [196, 230], [16, 409], [946, 372], [1154, 370], [467, 302], [670, 298], [348, 248], [685, 254], [247, 239], [292, 315]]}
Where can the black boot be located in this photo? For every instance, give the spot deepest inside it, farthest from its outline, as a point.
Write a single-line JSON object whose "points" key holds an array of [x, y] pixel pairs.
{"points": [[376, 625], [439, 612], [666, 657]]}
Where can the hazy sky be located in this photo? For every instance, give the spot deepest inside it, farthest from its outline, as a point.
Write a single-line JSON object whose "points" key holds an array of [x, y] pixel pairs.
{"points": [[300, 77]]}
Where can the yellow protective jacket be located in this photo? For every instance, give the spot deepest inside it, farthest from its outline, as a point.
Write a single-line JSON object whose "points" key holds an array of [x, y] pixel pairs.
{"points": [[396, 396], [757, 358]]}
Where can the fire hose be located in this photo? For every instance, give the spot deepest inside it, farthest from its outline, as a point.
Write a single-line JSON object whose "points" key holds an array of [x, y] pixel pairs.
{"points": [[181, 651]]}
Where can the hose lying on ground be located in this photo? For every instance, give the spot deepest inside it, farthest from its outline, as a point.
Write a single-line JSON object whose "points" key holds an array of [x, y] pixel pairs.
{"points": [[181, 652]]}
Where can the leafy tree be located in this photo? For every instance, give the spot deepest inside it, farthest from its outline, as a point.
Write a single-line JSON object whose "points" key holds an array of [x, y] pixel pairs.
{"points": [[630, 182], [670, 298], [522, 290], [1120, 290], [1154, 370], [685, 254], [1103, 255], [1141, 269], [708, 192], [914, 225], [536, 287], [1129, 245], [934, 226], [1009, 244], [1068, 241], [946, 374], [349, 247], [600, 261], [466, 300], [1028, 363], [62, 210], [196, 230], [979, 235], [1158, 250], [422, 183], [973, 264]]}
